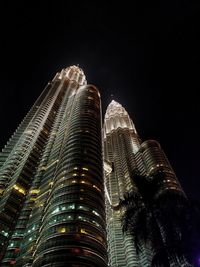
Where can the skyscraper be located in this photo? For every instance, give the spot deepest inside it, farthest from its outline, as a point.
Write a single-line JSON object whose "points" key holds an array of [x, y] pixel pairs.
{"points": [[121, 142], [124, 155], [51, 180], [52, 206]]}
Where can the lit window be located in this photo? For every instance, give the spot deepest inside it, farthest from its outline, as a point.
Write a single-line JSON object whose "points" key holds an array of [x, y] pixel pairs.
{"points": [[19, 189], [85, 169], [34, 191], [4, 233], [91, 98], [62, 230], [95, 213], [83, 231], [96, 223], [56, 210], [28, 131]]}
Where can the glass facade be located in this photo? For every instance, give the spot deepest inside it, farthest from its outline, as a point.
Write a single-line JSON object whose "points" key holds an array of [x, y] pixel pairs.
{"points": [[121, 143], [53, 206], [152, 160], [125, 155]]}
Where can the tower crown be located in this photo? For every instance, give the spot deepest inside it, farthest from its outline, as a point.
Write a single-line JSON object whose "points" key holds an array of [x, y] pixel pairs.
{"points": [[75, 68], [115, 108], [117, 117], [73, 73]]}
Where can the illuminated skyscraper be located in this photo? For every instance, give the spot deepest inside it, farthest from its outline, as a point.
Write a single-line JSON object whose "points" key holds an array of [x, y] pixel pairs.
{"points": [[51, 181], [52, 206], [124, 154], [121, 142]]}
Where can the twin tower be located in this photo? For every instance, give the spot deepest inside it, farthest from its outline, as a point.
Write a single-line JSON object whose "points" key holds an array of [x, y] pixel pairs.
{"points": [[56, 198]]}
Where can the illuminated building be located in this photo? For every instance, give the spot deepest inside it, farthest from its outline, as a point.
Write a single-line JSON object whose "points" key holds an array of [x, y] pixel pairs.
{"points": [[152, 160], [121, 142], [124, 153], [52, 206], [52, 194]]}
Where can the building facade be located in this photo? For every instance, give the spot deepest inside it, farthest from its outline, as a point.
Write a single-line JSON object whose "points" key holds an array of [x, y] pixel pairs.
{"points": [[125, 155], [121, 143], [51, 180], [57, 207]]}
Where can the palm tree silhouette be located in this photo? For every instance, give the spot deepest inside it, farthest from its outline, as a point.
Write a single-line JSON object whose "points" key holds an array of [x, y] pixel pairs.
{"points": [[163, 221]]}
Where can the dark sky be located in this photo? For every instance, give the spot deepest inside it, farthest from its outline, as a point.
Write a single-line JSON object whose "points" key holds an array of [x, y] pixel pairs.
{"points": [[147, 55]]}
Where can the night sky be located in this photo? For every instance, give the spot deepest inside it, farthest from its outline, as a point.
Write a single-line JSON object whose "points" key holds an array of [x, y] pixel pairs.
{"points": [[146, 55]]}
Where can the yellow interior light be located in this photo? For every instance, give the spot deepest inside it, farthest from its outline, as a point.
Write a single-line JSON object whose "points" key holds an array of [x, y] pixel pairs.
{"points": [[19, 189], [83, 231], [34, 191], [63, 230]]}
